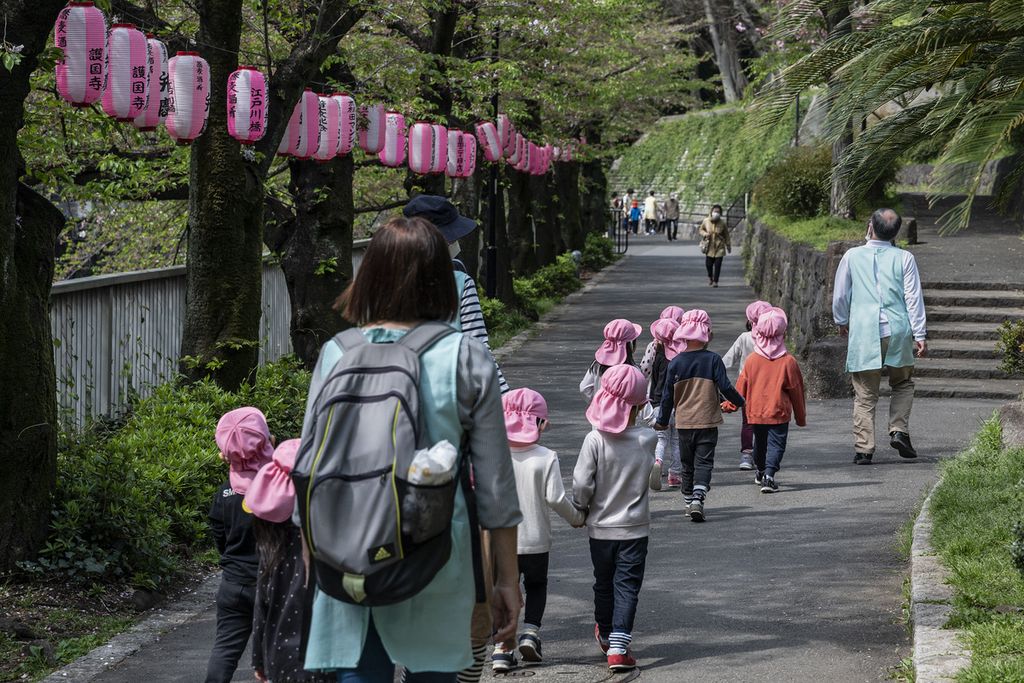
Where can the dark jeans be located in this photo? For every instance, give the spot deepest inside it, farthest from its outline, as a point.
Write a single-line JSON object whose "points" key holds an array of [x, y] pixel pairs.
{"points": [[714, 266], [769, 447], [650, 225], [697, 454], [672, 228], [534, 569], [376, 667], [746, 434], [618, 575], [234, 626], [634, 226]]}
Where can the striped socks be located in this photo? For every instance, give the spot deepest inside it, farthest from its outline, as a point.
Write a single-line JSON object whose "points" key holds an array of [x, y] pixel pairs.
{"points": [[475, 670], [618, 642]]}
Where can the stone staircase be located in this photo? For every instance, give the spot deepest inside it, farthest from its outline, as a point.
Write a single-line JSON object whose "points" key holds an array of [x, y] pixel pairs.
{"points": [[963, 361]]}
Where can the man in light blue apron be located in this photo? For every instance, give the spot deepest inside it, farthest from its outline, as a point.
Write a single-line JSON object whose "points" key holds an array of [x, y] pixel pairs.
{"points": [[877, 303]]}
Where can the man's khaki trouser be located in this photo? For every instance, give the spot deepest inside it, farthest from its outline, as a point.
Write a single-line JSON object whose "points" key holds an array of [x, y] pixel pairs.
{"points": [[865, 386]]}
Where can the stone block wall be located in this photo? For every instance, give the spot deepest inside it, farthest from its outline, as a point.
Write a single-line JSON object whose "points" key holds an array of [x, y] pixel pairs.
{"points": [[798, 279]]}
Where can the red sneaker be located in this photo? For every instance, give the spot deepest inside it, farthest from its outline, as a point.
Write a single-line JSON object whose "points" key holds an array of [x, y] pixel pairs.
{"points": [[674, 481], [621, 662], [601, 642]]}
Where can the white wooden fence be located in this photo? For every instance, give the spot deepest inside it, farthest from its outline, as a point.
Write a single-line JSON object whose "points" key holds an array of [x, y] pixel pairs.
{"points": [[119, 335]]}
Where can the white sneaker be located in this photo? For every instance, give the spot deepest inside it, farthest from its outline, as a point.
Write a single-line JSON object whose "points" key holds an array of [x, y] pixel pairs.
{"points": [[746, 461], [655, 478]]}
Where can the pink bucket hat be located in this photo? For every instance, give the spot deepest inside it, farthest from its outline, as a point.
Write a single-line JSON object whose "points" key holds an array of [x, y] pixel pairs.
{"points": [[244, 442], [617, 334], [770, 334], [672, 313], [622, 387], [755, 310], [662, 331], [523, 407], [695, 326], [271, 494]]}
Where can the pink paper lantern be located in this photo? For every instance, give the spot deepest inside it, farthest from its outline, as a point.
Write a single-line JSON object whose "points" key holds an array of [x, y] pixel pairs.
{"points": [[393, 153], [372, 126], [303, 134], [469, 154], [517, 152], [81, 33], [189, 104], [421, 147], [439, 154], [548, 151], [490, 143], [247, 105], [158, 90], [126, 86], [349, 129], [506, 131], [455, 154], [556, 153], [330, 134], [533, 168], [524, 160]]}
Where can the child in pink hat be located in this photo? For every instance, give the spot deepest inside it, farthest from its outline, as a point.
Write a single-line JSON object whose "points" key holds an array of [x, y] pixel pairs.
{"points": [[246, 445], [610, 481], [663, 330], [738, 353], [282, 591], [539, 486], [774, 387], [620, 337], [693, 382]]}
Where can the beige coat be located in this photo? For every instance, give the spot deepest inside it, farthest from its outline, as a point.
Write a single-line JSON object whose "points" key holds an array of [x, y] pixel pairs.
{"points": [[717, 233]]}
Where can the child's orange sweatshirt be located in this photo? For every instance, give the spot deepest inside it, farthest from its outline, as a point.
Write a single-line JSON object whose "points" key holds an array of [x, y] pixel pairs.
{"points": [[773, 389]]}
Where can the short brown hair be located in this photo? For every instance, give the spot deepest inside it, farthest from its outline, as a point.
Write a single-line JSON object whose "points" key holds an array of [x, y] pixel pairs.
{"points": [[405, 276]]}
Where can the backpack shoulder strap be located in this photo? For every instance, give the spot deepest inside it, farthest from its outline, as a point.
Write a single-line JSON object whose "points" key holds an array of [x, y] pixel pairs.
{"points": [[350, 339], [425, 335]]}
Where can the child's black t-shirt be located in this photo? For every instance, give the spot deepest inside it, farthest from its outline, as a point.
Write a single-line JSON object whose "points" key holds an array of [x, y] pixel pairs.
{"points": [[232, 532]]}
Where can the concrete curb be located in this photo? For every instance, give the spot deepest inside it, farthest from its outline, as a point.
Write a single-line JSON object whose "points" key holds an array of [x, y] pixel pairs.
{"points": [[149, 630], [939, 653], [514, 344]]}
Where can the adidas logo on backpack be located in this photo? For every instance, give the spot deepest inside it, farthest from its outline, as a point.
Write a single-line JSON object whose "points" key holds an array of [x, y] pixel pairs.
{"points": [[375, 538]]}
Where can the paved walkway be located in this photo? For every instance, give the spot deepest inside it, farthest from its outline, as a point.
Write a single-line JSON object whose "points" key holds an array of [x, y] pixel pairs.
{"points": [[805, 585]]}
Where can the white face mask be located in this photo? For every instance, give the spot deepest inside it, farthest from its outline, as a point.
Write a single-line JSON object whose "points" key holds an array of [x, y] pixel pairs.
{"points": [[454, 249], [715, 215]]}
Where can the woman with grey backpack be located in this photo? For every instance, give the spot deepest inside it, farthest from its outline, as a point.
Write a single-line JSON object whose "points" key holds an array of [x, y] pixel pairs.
{"points": [[400, 410]]}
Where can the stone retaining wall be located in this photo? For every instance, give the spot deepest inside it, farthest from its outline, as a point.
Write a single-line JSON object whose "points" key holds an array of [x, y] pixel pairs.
{"points": [[798, 279]]}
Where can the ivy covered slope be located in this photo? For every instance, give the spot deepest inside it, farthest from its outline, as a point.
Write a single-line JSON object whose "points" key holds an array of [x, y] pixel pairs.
{"points": [[711, 156]]}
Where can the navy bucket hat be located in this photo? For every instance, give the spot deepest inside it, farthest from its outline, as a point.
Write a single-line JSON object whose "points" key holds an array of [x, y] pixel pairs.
{"points": [[442, 213]]}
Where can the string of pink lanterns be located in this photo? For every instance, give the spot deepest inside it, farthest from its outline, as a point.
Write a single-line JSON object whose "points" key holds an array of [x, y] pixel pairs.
{"points": [[131, 76]]}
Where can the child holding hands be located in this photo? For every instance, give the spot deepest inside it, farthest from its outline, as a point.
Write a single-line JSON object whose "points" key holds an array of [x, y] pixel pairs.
{"points": [[539, 486]]}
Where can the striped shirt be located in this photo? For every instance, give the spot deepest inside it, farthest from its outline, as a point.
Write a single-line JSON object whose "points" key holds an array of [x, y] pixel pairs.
{"points": [[471, 318]]}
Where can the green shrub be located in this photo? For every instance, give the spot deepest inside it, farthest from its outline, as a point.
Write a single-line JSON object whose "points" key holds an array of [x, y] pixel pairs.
{"points": [[131, 503], [598, 252], [551, 281], [797, 186], [1011, 344]]}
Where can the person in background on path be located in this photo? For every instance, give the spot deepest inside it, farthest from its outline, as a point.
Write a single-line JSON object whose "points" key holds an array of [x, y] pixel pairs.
{"points": [[694, 379], [635, 214], [877, 303], [283, 595], [627, 204], [610, 483], [738, 353], [454, 226], [620, 337], [539, 486], [672, 217], [246, 445], [650, 214], [773, 386], [429, 633], [663, 330], [715, 243]]}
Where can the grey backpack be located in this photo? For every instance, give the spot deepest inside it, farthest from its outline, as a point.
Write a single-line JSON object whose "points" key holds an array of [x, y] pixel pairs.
{"points": [[375, 539]]}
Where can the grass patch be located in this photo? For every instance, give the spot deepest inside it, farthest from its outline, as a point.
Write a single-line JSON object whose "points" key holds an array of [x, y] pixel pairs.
{"points": [[975, 508], [817, 232]]}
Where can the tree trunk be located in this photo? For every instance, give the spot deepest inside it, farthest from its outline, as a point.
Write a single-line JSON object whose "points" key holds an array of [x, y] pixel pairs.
{"points": [[594, 189], [316, 251], [570, 209], [466, 196], [504, 290], [225, 226], [28, 232], [839, 198], [523, 257], [726, 55], [544, 213]]}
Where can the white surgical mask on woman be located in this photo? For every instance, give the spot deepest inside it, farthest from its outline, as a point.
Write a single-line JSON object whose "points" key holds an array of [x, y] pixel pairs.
{"points": [[715, 215], [454, 249]]}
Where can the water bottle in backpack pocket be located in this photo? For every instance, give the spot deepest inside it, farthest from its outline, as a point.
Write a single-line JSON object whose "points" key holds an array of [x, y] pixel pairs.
{"points": [[375, 537]]}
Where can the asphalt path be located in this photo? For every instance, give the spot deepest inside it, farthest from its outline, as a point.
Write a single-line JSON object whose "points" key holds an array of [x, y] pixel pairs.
{"points": [[802, 585]]}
